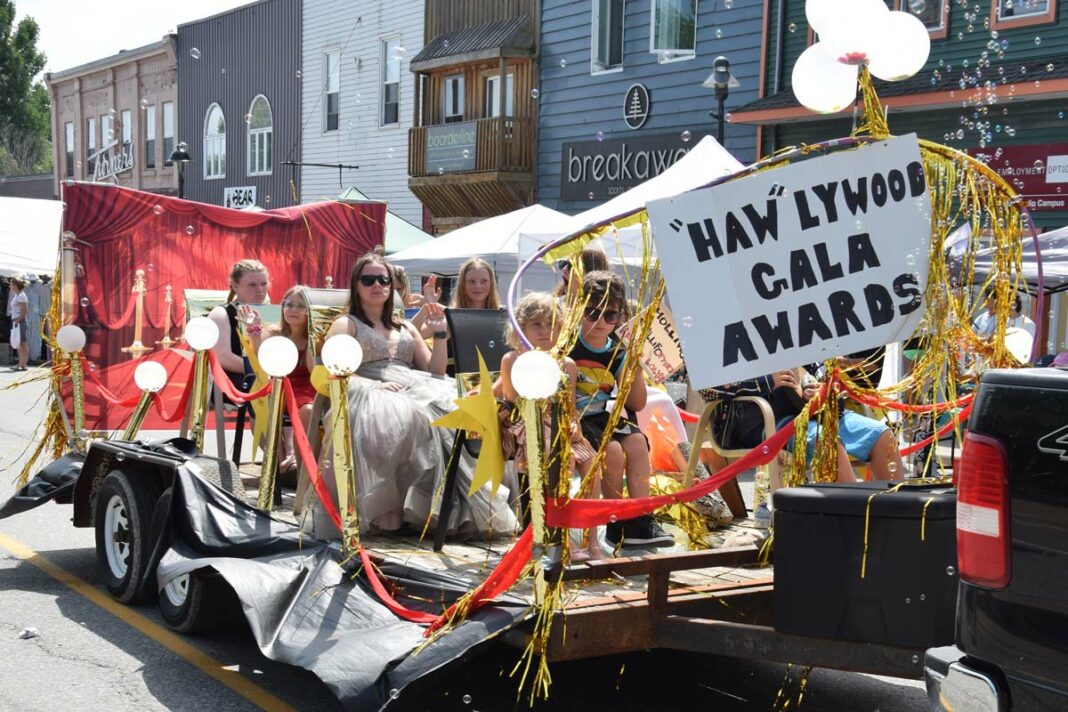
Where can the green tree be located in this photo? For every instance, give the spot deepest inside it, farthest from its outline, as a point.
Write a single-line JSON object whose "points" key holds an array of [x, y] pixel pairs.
{"points": [[25, 126]]}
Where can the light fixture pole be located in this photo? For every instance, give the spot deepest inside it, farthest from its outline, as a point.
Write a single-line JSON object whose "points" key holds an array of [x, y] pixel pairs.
{"points": [[180, 156], [722, 81]]}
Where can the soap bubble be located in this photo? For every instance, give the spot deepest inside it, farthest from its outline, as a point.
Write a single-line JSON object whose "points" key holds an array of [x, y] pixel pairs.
{"points": [[907, 600], [248, 118], [194, 53], [398, 53], [685, 135], [467, 153], [120, 456], [589, 195], [719, 33], [792, 27], [298, 74], [467, 699], [612, 518], [189, 229], [491, 343], [1049, 67], [728, 4], [1039, 166], [950, 571], [915, 659], [535, 93], [600, 135], [1038, 41], [563, 64], [917, 6], [84, 301], [144, 103], [441, 171], [687, 321], [222, 71], [112, 112], [960, 134], [158, 210], [1060, 114], [394, 694]]}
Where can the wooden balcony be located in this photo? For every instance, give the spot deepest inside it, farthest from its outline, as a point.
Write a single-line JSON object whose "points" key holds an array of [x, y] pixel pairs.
{"points": [[474, 169]]}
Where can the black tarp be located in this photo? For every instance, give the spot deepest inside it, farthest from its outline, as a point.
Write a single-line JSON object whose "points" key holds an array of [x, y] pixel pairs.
{"points": [[304, 605]]}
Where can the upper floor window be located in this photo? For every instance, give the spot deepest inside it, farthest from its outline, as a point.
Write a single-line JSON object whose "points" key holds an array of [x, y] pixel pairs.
{"points": [[168, 132], [150, 136], [391, 61], [107, 131], [606, 34], [260, 130], [1021, 13], [68, 146], [127, 127], [493, 96], [331, 90], [933, 15], [454, 98], [90, 137], [214, 143], [674, 29]]}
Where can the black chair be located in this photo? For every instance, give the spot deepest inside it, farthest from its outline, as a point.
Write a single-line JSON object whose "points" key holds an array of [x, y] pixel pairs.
{"points": [[471, 331]]}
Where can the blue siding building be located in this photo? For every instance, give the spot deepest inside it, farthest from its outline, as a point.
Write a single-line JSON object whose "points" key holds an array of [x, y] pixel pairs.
{"points": [[593, 52]]}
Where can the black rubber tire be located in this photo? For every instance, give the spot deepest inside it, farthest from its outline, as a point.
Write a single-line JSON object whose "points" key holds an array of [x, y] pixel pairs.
{"points": [[136, 494], [208, 606]]}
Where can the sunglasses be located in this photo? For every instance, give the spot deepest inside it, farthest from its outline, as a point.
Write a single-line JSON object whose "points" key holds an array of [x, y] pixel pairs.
{"points": [[295, 305], [563, 264], [368, 280], [610, 316]]}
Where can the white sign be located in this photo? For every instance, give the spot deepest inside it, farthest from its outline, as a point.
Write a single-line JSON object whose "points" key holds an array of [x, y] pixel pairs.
{"points": [[240, 198], [661, 353], [795, 265], [108, 166]]}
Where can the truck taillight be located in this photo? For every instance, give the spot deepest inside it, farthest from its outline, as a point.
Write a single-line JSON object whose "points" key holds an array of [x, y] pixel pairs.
{"points": [[983, 540]]}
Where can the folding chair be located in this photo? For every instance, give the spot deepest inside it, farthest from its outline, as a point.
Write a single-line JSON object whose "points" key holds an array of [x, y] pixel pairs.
{"points": [[325, 305], [705, 430], [472, 331]]}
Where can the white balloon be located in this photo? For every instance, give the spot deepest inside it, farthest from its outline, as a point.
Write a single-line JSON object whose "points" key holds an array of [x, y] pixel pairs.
{"points": [[902, 49], [819, 12], [71, 338], [150, 376], [535, 374], [342, 355], [201, 333], [278, 356], [823, 84], [853, 33]]}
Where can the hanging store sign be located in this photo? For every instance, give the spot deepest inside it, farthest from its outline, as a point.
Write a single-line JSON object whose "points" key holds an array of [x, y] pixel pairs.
{"points": [[598, 170], [798, 264], [1038, 172], [108, 164], [451, 147], [241, 198]]}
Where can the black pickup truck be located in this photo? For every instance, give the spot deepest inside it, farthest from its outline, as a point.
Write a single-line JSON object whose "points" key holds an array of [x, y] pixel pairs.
{"points": [[1012, 549]]}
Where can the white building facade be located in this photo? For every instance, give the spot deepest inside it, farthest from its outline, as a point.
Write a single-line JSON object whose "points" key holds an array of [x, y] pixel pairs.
{"points": [[357, 99]]}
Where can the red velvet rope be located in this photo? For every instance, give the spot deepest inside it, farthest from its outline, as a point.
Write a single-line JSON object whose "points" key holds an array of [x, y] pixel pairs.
{"points": [[300, 439], [688, 417], [499, 580], [222, 382], [939, 433], [126, 315], [387, 599], [103, 390], [183, 400]]}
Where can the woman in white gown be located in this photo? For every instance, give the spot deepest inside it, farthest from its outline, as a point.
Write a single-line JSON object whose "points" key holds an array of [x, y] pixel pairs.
{"points": [[399, 457]]}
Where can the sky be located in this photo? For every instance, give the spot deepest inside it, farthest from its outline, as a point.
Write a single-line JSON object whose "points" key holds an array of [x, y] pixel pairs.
{"points": [[74, 32]]}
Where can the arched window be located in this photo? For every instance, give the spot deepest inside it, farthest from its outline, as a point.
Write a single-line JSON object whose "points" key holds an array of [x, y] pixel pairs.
{"points": [[260, 136], [214, 143]]}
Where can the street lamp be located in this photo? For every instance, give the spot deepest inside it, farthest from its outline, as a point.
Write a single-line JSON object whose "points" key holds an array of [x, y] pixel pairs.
{"points": [[722, 81], [181, 156]]}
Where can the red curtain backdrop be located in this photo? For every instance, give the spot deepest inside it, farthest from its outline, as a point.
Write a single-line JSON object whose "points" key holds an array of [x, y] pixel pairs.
{"points": [[189, 245]]}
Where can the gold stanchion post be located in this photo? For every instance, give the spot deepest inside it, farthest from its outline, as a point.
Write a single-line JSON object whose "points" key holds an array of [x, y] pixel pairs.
{"points": [[344, 472], [150, 377], [166, 342], [201, 333], [71, 340], [270, 451], [137, 348]]}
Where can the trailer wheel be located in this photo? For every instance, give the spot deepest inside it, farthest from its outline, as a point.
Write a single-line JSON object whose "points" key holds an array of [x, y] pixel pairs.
{"points": [[123, 508], [198, 602]]}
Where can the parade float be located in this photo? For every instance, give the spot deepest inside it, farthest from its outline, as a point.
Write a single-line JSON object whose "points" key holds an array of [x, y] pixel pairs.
{"points": [[807, 255]]}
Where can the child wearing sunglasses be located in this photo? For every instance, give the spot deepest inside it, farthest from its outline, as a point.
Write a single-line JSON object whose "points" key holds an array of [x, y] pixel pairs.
{"points": [[601, 362]]}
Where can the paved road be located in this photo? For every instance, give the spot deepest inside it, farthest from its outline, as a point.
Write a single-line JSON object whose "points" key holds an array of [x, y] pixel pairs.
{"points": [[92, 654]]}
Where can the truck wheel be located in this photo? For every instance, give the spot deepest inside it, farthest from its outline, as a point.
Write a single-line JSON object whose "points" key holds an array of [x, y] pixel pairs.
{"points": [[123, 507], [198, 602]]}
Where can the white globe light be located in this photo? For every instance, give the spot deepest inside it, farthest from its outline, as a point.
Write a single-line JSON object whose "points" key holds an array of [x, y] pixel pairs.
{"points": [[535, 374], [278, 356], [902, 49], [823, 84], [854, 33], [201, 333], [150, 376], [342, 355], [71, 338]]}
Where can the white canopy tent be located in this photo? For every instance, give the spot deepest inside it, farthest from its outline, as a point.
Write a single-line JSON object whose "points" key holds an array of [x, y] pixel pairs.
{"points": [[495, 240], [704, 163], [29, 236]]}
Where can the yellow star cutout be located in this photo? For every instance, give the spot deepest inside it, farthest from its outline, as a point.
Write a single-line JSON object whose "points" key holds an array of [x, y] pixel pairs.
{"points": [[478, 414]]}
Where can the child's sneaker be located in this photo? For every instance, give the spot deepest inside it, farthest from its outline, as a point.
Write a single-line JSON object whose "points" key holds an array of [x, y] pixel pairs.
{"points": [[644, 531]]}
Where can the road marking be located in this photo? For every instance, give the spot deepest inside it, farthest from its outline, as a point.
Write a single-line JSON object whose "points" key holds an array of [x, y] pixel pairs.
{"points": [[169, 640]]}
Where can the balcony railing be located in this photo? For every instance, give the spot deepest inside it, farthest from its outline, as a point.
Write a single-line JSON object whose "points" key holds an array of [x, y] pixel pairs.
{"points": [[497, 144]]}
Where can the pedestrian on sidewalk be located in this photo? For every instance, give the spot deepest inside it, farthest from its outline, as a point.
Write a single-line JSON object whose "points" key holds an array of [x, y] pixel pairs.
{"points": [[18, 311]]}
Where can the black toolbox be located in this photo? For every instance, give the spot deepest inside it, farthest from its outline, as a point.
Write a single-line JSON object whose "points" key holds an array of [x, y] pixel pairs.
{"points": [[907, 596]]}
